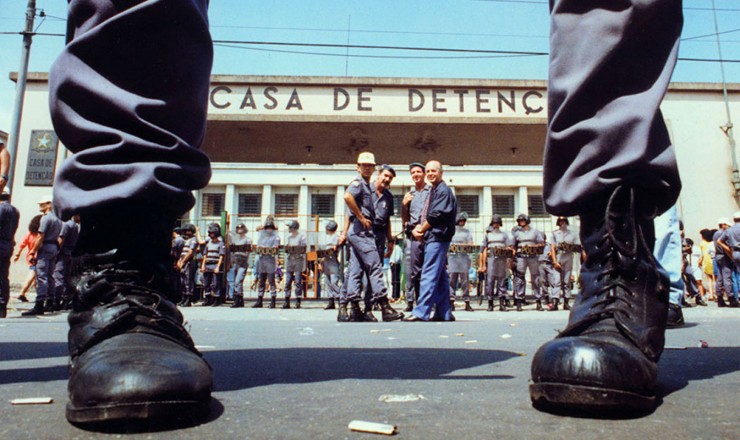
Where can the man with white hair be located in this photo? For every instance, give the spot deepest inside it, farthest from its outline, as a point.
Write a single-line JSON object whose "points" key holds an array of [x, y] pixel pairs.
{"points": [[727, 242]]}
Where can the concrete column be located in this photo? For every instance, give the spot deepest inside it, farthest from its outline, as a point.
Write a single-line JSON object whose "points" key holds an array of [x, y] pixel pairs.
{"points": [[304, 204], [486, 207], [266, 200], [521, 202], [339, 207], [231, 204]]}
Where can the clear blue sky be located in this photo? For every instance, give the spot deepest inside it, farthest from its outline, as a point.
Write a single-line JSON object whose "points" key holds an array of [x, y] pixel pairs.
{"points": [[508, 25]]}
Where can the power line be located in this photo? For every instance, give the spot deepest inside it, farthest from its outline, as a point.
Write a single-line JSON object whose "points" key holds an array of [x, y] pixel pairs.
{"points": [[536, 2]]}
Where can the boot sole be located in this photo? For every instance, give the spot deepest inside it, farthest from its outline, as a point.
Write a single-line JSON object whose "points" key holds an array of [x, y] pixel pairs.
{"points": [[166, 411], [578, 397]]}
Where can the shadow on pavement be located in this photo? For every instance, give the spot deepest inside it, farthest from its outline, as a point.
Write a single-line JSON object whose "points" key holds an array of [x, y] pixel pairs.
{"points": [[15, 351], [240, 369], [679, 367]]}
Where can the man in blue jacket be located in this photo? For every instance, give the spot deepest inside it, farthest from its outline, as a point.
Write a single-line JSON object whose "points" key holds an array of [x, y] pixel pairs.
{"points": [[436, 228]]}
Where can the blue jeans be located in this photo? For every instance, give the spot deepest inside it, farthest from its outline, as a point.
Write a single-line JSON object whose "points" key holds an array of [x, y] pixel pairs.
{"points": [[434, 288], [668, 251]]}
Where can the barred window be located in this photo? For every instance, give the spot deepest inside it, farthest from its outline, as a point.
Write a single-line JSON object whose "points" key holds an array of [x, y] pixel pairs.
{"points": [[503, 205], [536, 206], [323, 204], [212, 204], [470, 204], [250, 204], [286, 204]]}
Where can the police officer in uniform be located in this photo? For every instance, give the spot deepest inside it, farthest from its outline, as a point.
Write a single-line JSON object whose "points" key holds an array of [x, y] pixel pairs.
{"points": [[547, 273], [458, 263], [330, 264], [295, 264], [268, 242], [529, 244], [411, 208], [364, 258], [239, 244], [45, 253], [186, 264], [727, 248], [496, 251], [564, 245], [213, 266], [9, 218], [383, 206], [67, 242]]}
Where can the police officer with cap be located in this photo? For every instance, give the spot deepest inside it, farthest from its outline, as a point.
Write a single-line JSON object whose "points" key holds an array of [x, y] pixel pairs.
{"points": [[529, 244], [364, 258], [458, 262], [295, 264], [411, 208], [239, 245], [496, 250]]}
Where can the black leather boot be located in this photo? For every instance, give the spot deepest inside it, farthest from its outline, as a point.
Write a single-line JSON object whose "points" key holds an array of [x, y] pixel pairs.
{"points": [[539, 306], [490, 305], [238, 302], [298, 302], [699, 301], [49, 305], [605, 359], [187, 301], [217, 301], [286, 304], [566, 305], [355, 313], [342, 315], [553, 306], [502, 305], [258, 304], [131, 357], [721, 301], [388, 314], [3, 310], [208, 301], [468, 308], [38, 309], [675, 316], [518, 304], [409, 306], [330, 305], [452, 305], [368, 315], [273, 301], [733, 303]]}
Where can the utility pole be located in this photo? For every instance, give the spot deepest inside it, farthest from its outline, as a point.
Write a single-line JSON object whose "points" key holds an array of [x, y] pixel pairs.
{"points": [[20, 90], [727, 128]]}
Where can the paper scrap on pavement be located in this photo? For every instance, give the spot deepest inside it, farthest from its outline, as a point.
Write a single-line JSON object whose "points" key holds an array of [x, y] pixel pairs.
{"points": [[391, 398], [472, 341], [374, 331], [306, 331], [372, 427], [443, 336], [459, 334], [703, 343], [32, 401], [505, 336]]}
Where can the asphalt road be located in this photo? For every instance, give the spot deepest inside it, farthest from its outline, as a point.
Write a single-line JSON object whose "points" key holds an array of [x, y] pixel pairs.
{"points": [[298, 374]]}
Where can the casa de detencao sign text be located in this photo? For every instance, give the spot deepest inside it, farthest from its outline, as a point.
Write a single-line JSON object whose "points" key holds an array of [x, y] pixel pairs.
{"points": [[289, 100]]}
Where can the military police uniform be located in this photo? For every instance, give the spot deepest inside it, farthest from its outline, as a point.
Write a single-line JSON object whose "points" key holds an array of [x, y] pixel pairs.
{"points": [[497, 244], [213, 254], [548, 274], [267, 264], [46, 258], [458, 262], [383, 207], [330, 263], [526, 240], [295, 265], [566, 245], [69, 233], [239, 245]]}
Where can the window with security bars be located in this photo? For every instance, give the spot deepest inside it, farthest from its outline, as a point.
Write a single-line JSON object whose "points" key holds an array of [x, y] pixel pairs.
{"points": [[212, 205], [503, 205], [536, 206], [250, 204], [286, 204], [323, 204], [397, 204], [470, 204]]}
